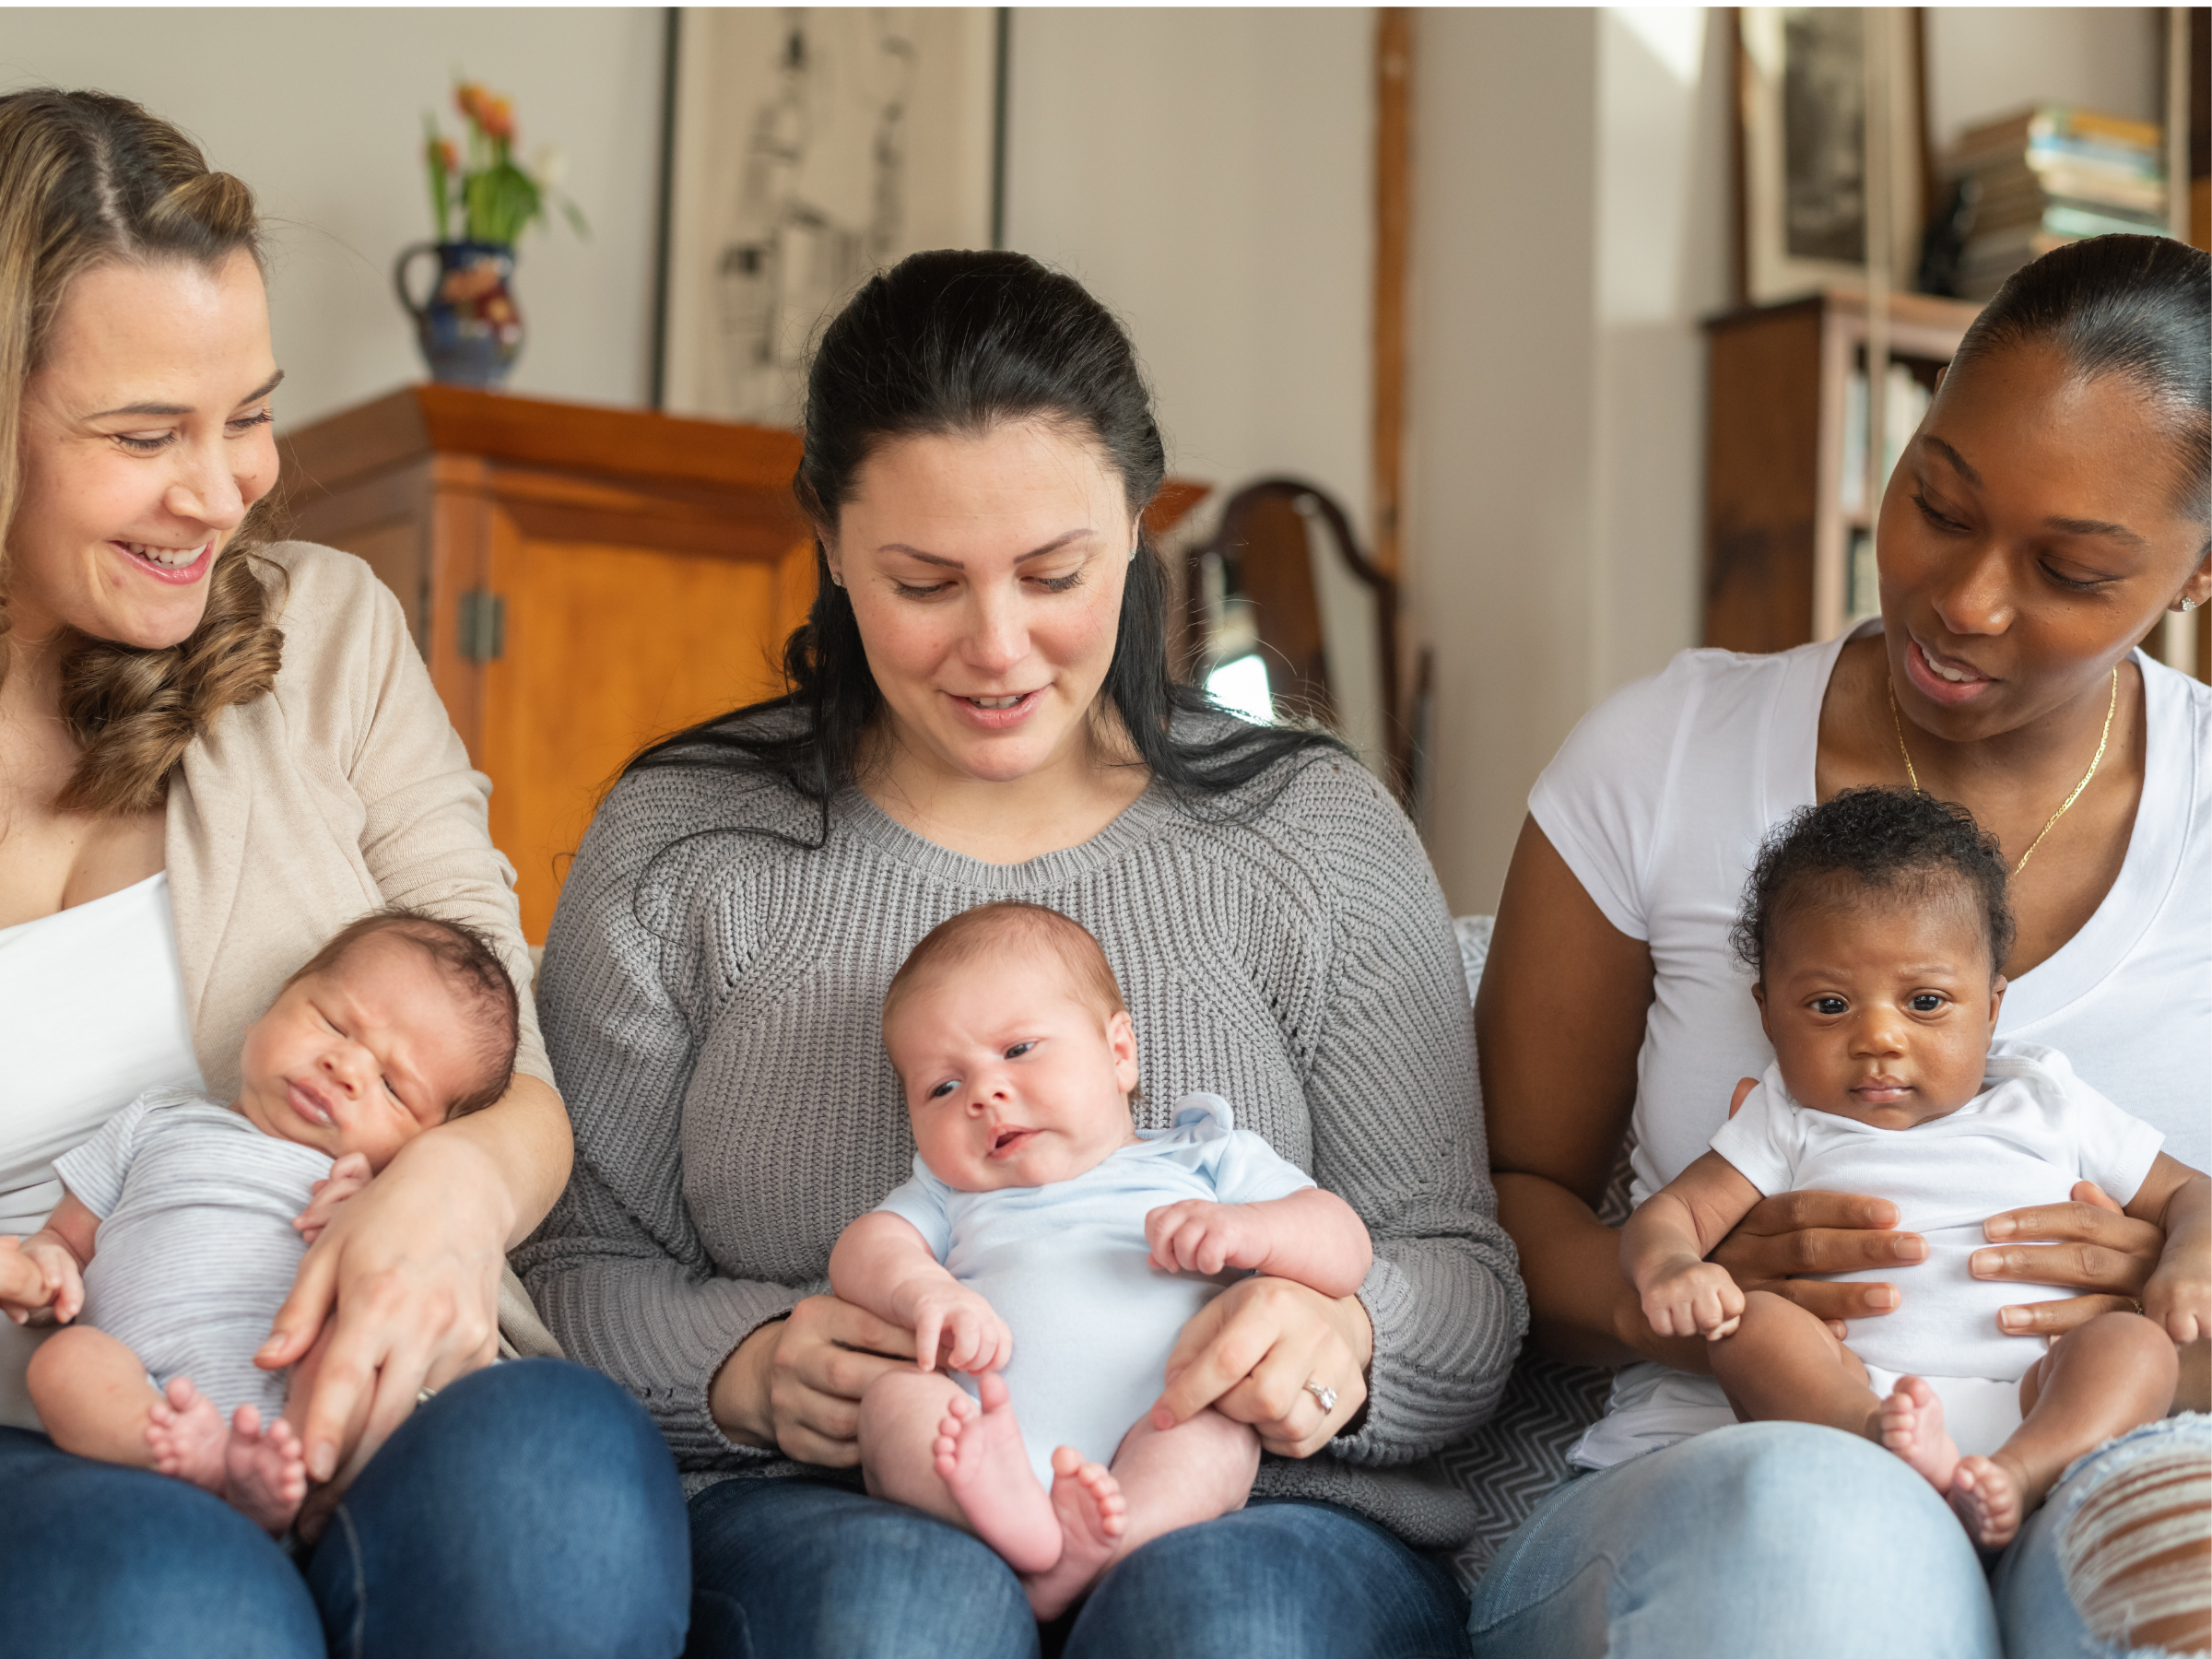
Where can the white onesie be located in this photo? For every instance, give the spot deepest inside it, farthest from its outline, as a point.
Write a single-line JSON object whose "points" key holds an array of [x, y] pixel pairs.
{"points": [[1066, 1266], [2034, 1131]]}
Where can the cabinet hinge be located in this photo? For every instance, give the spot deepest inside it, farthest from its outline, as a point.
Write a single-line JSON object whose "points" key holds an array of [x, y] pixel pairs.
{"points": [[483, 626]]}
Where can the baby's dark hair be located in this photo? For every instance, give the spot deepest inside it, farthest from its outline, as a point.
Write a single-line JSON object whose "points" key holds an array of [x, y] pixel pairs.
{"points": [[469, 964], [1897, 841]]}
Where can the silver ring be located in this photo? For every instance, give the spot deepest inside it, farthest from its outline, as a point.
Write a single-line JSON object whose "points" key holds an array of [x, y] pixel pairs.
{"points": [[423, 1396], [1324, 1396]]}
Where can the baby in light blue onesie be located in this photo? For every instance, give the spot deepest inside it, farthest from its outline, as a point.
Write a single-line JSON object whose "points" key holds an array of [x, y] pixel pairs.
{"points": [[1052, 1252]]}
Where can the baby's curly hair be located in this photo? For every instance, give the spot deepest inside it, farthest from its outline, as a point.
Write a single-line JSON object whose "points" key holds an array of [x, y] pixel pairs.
{"points": [[1898, 840]]}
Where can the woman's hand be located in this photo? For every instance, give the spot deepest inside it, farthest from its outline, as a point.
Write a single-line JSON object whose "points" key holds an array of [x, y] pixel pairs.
{"points": [[1796, 1233], [796, 1384], [1250, 1352], [411, 1264], [2085, 1245], [1817, 1232]]}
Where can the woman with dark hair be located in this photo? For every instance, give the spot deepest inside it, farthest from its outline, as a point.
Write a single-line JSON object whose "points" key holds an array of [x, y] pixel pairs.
{"points": [[981, 710], [2049, 510], [216, 749]]}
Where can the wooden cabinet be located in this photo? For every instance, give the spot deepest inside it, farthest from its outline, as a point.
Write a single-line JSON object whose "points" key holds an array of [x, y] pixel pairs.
{"points": [[1780, 530], [580, 579]]}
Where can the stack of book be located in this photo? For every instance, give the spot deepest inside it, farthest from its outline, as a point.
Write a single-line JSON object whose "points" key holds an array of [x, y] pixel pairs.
{"points": [[2050, 175]]}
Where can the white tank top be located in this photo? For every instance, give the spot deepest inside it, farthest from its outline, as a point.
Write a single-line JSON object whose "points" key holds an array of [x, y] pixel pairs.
{"points": [[91, 1015]]}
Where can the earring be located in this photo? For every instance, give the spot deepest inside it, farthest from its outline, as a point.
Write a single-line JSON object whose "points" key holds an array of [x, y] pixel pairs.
{"points": [[2187, 606]]}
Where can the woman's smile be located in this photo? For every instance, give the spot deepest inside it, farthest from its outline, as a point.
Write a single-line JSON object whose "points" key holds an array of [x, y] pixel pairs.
{"points": [[1941, 678], [180, 567], [1000, 713]]}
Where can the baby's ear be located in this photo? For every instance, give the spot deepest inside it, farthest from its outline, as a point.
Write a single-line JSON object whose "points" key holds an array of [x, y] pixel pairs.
{"points": [[1121, 1041]]}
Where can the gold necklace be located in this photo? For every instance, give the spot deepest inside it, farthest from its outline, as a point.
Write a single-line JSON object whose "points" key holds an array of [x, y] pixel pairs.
{"points": [[2096, 760]]}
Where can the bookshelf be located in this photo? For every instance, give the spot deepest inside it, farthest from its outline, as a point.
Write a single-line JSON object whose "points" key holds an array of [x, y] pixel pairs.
{"points": [[1782, 530]]}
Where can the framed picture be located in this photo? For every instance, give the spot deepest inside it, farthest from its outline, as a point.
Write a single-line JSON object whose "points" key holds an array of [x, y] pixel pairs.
{"points": [[810, 146], [1803, 194]]}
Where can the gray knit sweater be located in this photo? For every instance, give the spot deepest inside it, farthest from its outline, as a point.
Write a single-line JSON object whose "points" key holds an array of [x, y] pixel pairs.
{"points": [[711, 1006]]}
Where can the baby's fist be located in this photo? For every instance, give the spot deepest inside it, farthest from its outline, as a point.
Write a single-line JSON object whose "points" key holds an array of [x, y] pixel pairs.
{"points": [[953, 1323], [1196, 1236], [2180, 1301], [36, 1273], [1698, 1297]]}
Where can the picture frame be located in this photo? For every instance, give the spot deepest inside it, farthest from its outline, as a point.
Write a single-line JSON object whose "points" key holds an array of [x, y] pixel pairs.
{"points": [[1801, 186], [805, 148]]}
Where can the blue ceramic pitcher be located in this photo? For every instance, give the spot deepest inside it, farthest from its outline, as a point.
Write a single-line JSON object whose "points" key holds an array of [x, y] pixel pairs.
{"points": [[468, 327]]}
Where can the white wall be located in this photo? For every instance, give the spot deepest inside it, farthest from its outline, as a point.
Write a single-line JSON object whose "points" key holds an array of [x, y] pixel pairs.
{"points": [[1571, 230], [1984, 62], [1207, 174], [320, 112]]}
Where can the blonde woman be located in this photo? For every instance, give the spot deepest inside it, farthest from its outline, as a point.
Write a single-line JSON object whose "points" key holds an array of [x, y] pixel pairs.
{"points": [[213, 751]]}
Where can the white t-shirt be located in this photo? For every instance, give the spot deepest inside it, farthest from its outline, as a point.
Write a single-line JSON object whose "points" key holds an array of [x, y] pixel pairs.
{"points": [[91, 1015], [1065, 1265], [2033, 1131], [1658, 802]]}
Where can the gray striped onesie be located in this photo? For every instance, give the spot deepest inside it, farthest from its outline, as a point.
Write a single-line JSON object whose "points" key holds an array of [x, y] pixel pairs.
{"points": [[195, 1251]]}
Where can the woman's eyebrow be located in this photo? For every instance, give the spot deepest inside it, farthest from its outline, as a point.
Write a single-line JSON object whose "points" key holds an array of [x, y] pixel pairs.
{"points": [[2074, 526], [170, 411], [1960, 463], [1053, 546]]}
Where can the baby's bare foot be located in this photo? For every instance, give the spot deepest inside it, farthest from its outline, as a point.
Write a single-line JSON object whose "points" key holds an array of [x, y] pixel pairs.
{"points": [[979, 1456], [265, 1470], [1912, 1425], [186, 1435], [1990, 1494], [1093, 1516]]}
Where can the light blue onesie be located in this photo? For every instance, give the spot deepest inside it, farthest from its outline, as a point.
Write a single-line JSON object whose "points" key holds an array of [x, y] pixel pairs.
{"points": [[1066, 1266]]}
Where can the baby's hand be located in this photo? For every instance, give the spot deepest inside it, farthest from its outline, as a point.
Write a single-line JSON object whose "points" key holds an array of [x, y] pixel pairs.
{"points": [[967, 1328], [1196, 1236], [2179, 1296], [38, 1273], [346, 1177], [1687, 1296]]}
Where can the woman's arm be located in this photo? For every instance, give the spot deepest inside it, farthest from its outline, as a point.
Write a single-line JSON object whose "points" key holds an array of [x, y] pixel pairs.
{"points": [[619, 1270], [1560, 1021], [1398, 1133], [412, 1267]]}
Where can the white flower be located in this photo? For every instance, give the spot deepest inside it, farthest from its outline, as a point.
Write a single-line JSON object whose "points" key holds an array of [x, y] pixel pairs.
{"points": [[548, 166]]}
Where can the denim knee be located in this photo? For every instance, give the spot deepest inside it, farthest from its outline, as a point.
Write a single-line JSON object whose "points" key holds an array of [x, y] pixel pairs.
{"points": [[1775, 1490], [1763, 1538], [814, 1566], [531, 1508], [2117, 1553], [115, 1563]]}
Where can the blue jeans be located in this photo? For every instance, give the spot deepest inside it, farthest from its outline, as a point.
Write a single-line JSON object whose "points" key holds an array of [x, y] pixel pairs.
{"points": [[529, 1509], [802, 1567], [2035, 1606], [1777, 1539]]}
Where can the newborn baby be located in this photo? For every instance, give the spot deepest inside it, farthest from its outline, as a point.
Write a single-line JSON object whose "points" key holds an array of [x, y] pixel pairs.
{"points": [[176, 1243], [1053, 1252], [1875, 924]]}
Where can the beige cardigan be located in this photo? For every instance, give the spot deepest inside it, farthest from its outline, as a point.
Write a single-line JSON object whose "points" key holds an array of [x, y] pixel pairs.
{"points": [[343, 789]]}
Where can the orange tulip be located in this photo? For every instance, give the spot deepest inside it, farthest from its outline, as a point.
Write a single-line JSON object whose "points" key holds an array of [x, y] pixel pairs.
{"points": [[496, 116], [467, 97]]}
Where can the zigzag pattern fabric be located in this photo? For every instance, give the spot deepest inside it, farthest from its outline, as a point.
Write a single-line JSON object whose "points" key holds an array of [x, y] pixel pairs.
{"points": [[1511, 1462]]}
